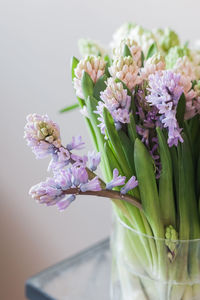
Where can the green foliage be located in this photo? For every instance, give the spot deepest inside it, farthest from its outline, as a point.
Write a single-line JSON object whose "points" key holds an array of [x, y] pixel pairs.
{"points": [[132, 129], [142, 58], [173, 55], [116, 142], [166, 192], [148, 188], [74, 63], [153, 49], [87, 85], [69, 108], [180, 111], [99, 87], [126, 51]]}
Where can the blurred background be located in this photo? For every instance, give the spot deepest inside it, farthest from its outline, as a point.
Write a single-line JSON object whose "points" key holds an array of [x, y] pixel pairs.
{"points": [[38, 38]]}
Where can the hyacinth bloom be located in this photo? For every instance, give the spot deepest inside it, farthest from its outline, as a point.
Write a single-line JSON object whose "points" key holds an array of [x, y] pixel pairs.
{"points": [[135, 50], [60, 158], [115, 96], [63, 179], [52, 190], [47, 192], [144, 38], [93, 160], [130, 185], [152, 65], [42, 135], [125, 69], [166, 38], [94, 66], [188, 71], [76, 143], [184, 66], [121, 33], [165, 91], [117, 180], [89, 47], [64, 203], [92, 185], [117, 101]]}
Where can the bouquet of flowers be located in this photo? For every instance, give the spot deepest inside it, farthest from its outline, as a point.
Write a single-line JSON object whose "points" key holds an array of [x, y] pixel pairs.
{"points": [[141, 102]]}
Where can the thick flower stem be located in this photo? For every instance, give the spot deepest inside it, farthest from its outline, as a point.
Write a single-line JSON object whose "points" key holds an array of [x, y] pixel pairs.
{"points": [[106, 194]]}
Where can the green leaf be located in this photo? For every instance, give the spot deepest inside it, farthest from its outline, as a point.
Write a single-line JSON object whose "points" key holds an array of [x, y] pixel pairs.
{"points": [[194, 129], [91, 104], [180, 111], [108, 60], [186, 44], [198, 178], [126, 51], [166, 193], [187, 204], [194, 82], [189, 174], [74, 63], [142, 58], [116, 142], [132, 129], [99, 86], [70, 107], [148, 188], [153, 49], [108, 64], [113, 162], [128, 148], [87, 85], [174, 158]]}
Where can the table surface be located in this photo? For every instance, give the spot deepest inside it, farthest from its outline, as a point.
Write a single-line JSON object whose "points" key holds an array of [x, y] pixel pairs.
{"points": [[83, 276]]}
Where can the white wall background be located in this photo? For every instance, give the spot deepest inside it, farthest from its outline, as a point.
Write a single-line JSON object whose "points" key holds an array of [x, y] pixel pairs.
{"points": [[37, 39]]}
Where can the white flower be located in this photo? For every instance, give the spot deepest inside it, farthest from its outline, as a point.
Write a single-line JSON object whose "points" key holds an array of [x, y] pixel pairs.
{"points": [[94, 66], [121, 33], [144, 38], [89, 47], [126, 70]]}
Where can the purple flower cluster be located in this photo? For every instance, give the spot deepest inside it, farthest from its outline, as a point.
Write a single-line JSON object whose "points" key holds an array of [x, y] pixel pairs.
{"points": [[78, 178], [42, 135], [53, 190], [165, 91], [119, 180], [117, 101]]}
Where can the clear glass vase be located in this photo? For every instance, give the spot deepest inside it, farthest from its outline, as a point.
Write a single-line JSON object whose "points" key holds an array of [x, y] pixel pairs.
{"points": [[148, 268]]}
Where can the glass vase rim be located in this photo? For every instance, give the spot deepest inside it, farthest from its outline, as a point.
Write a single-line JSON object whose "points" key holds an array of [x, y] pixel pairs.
{"points": [[153, 237]]}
